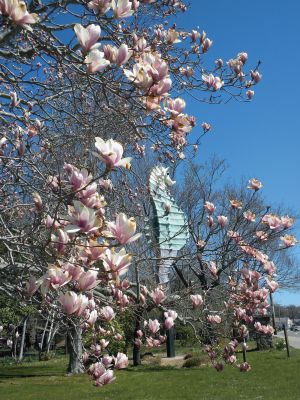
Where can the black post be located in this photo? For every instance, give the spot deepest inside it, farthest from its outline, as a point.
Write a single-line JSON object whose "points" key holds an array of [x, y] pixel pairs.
{"points": [[286, 341], [244, 348], [273, 314], [171, 342]]}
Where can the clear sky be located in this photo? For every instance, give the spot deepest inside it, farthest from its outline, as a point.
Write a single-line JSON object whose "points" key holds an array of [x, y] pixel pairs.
{"points": [[259, 139]]}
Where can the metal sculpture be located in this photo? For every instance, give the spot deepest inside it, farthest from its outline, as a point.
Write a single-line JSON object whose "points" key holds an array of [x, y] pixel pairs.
{"points": [[169, 223], [170, 232]]}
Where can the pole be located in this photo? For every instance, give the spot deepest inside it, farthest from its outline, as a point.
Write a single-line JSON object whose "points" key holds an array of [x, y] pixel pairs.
{"points": [[171, 343], [273, 313], [286, 341], [244, 348]]}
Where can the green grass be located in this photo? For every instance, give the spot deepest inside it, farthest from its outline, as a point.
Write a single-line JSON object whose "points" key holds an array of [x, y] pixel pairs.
{"points": [[273, 376]]}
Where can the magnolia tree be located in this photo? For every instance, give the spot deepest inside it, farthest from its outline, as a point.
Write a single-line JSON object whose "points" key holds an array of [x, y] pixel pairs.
{"points": [[73, 75]]}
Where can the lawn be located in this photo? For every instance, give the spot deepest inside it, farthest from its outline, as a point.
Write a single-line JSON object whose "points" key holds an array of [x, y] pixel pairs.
{"points": [[273, 376]]}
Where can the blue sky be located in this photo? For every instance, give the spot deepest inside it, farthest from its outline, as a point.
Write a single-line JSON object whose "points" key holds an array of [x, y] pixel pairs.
{"points": [[258, 139]]}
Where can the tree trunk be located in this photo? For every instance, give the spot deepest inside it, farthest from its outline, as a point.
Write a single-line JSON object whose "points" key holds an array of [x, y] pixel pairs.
{"points": [[23, 339], [136, 349], [41, 344], [75, 349]]}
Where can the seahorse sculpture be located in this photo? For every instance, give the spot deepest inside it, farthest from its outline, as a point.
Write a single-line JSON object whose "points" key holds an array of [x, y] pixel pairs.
{"points": [[169, 222]]}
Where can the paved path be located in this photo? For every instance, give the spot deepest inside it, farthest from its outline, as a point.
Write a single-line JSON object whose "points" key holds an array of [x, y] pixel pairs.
{"points": [[294, 338]]}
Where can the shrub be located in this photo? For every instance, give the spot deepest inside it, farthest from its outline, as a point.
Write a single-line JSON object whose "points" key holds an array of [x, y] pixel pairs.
{"points": [[187, 356], [194, 361], [280, 345]]}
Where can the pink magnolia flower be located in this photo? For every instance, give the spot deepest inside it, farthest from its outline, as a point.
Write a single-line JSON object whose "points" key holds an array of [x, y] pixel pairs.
{"points": [[123, 230], [82, 219], [104, 343], [116, 262], [169, 323], [273, 221], [273, 285], [73, 303], [17, 11], [269, 267], [105, 378], [153, 326], [289, 240], [97, 369], [107, 313], [236, 204], [139, 333], [38, 202], [172, 36], [31, 286], [287, 221], [92, 251], [57, 277], [243, 57], [87, 37], [95, 61], [206, 44], [249, 215], [123, 54], [222, 220], [140, 75], [137, 342], [161, 88], [88, 280], [91, 304], [92, 318], [255, 76], [244, 367], [250, 94], [235, 236], [210, 221], [78, 178], [121, 361], [171, 313], [122, 8], [261, 235], [118, 337], [255, 184], [60, 240], [219, 62], [111, 152], [195, 35], [197, 300], [107, 361], [100, 6], [206, 126], [212, 81], [116, 55], [210, 207], [213, 268], [158, 296], [214, 319], [175, 106], [106, 184]]}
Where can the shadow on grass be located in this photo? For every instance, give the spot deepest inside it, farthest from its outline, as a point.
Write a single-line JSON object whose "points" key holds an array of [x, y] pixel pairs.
{"points": [[29, 371]]}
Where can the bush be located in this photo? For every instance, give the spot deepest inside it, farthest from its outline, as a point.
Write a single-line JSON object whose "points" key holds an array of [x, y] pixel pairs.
{"points": [[194, 361], [280, 345], [187, 356], [47, 356]]}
